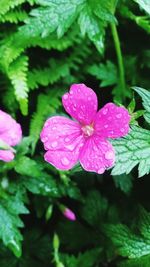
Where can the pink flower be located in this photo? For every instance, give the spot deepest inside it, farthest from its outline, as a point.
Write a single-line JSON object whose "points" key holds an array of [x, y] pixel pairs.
{"points": [[87, 139], [10, 134], [69, 214]]}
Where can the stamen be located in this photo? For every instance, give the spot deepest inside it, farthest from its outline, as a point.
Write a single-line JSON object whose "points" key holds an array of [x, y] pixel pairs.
{"points": [[88, 130]]}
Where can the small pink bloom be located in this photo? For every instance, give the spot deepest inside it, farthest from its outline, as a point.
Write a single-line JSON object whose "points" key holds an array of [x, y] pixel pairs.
{"points": [[86, 139], [69, 214], [10, 133]]}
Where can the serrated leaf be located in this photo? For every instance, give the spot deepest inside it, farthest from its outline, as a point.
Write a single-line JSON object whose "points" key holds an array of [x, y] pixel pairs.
{"points": [[138, 262], [124, 182], [93, 27], [95, 208], [132, 150], [17, 73], [128, 244], [86, 259], [107, 73], [37, 181], [146, 101], [144, 4], [10, 208]]}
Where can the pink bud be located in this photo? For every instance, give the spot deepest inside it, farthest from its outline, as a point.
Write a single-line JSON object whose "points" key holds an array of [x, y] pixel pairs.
{"points": [[69, 214]]}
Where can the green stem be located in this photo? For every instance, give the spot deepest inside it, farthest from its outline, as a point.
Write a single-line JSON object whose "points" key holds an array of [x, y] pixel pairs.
{"points": [[120, 60]]}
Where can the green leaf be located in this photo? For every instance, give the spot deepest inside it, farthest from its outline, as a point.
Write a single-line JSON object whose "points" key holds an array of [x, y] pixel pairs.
{"points": [[124, 182], [107, 73], [52, 16], [131, 150], [144, 4], [94, 209], [6, 5], [146, 101], [128, 244], [10, 208], [36, 180], [138, 262], [17, 73], [93, 27], [86, 259]]}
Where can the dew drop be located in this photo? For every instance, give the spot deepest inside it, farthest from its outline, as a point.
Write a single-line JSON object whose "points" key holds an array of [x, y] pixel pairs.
{"points": [[54, 144], [106, 126], [122, 130], [71, 92], [105, 110], [54, 128], [65, 96], [89, 98], [95, 148], [65, 161], [46, 124], [67, 139], [101, 170], [44, 139], [109, 155], [119, 115]]}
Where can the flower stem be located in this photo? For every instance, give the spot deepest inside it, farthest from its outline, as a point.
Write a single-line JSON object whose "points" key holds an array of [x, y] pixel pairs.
{"points": [[120, 61]]}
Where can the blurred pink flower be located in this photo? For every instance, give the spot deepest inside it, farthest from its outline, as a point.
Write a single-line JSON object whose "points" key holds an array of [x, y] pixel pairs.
{"points": [[86, 139], [10, 134], [69, 214]]}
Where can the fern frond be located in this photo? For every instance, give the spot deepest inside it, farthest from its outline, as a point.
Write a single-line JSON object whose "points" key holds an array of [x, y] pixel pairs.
{"points": [[17, 73], [9, 99], [14, 16], [46, 105], [49, 75], [6, 5]]}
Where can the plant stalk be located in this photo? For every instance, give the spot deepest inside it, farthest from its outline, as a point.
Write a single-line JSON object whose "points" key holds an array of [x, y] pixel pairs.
{"points": [[120, 60]]}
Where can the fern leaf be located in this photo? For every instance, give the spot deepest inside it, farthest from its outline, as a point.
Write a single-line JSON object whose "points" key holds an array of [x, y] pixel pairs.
{"points": [[14, 16], [17, 73], [50, 75], [6, 5]]}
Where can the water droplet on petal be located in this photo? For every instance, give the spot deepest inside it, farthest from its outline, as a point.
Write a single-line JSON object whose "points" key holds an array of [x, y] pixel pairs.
{"points": [[44, 139], [67, 139], [95, 148], [89, 98], [119, 115], [109, 155], [71, 92], [46, 124], [105, 110], [65, 161], [122, 130], [65, 96], [54, 128], [54, 144], [101, 170], [106, 126]]}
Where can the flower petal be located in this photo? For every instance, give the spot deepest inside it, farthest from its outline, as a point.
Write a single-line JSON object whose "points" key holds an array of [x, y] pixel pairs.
{"points": [[12, 136], [62, 160], [6, 155], [112, 121], [60, 133], [10, 130], [80, 103], [97, 155]]}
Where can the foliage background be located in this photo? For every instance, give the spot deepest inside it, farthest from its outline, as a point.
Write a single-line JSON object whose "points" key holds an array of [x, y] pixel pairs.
{"points": [[45, 46]]}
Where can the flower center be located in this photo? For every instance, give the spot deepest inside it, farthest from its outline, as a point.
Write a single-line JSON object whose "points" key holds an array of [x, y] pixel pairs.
{"points": [[88, 130]]}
